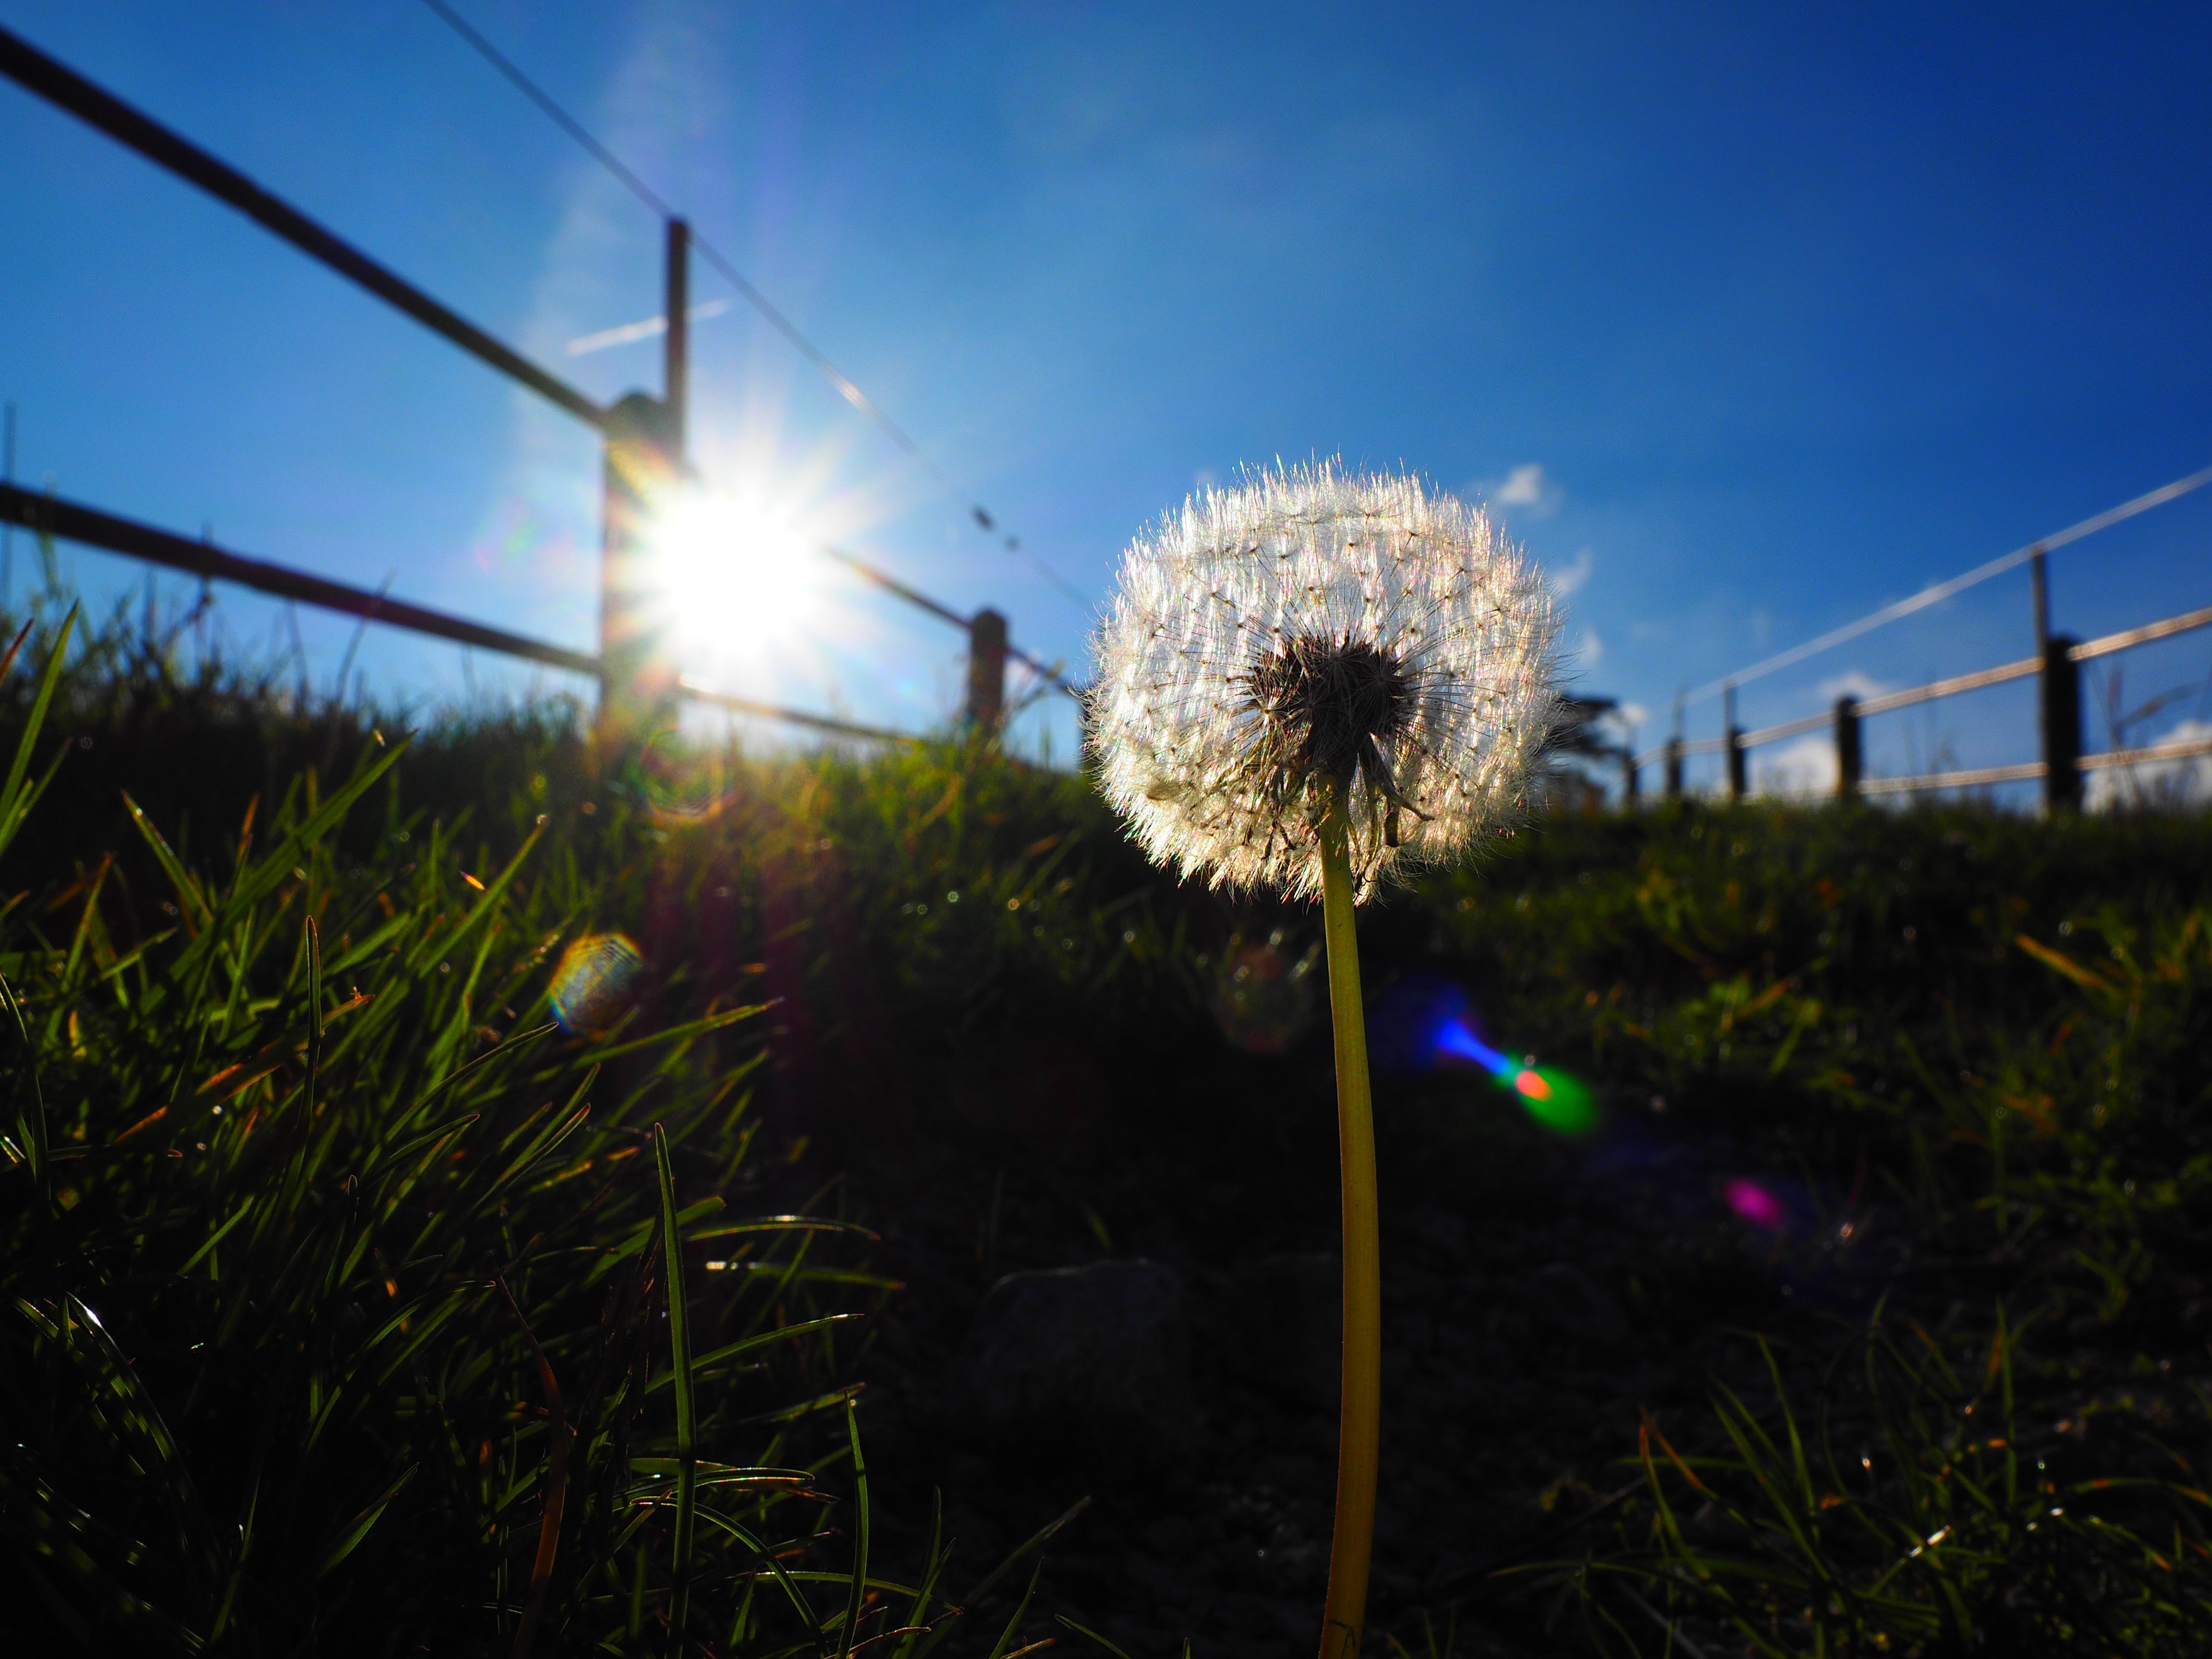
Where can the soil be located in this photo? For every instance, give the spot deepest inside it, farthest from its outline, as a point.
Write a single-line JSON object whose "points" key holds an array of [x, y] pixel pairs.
{"points": [[1540, 1293]]}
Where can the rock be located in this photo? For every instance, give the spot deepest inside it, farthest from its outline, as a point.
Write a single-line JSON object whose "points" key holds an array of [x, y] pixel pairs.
{"points": [[1101, 1351], [1567, 1303], [1283, 1325]]}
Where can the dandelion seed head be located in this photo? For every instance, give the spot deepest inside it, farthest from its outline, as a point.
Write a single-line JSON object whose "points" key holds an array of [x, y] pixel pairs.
{"points": [[1309, 627]]}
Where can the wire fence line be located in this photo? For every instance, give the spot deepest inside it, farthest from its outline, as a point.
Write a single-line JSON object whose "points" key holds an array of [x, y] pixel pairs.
{"points": [[1944, 590], [844, 385]]}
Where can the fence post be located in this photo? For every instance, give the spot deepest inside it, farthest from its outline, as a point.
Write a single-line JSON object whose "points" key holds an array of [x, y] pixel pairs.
{"points": [[2039, 595], [1631, 784], [676, 344], [986, 670], [2060, 685], [637, 683], [1849, 757], [1735, 750], [1674, 768]]}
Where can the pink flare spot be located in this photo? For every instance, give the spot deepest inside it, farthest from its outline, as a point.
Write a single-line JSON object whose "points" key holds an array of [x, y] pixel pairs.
{"points": [[1756, 1205], [1533, 1086]]}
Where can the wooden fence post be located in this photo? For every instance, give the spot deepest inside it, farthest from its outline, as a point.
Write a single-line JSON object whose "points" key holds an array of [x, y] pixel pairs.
{"points": [[1631, 784], [1849, 757], [676, 344], [1674, 768], [986, 670], [637, 681], [1736, 749], [2060, 685]]}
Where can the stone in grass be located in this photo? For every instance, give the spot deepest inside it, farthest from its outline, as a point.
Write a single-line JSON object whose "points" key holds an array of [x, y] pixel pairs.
{"points": [[1567, 1303], [1282, 1328], [1100, 1353]]}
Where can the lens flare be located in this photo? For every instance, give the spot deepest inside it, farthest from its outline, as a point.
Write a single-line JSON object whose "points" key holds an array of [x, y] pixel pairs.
{"points": [[594, 982], [1556, 1101], [1424, 1024], [1552, 1098], [1757, 1204], [1455, 1040], [1264, 994]]}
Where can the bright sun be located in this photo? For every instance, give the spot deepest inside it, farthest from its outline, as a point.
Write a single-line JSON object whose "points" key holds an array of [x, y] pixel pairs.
{"points": [[736, 576]]}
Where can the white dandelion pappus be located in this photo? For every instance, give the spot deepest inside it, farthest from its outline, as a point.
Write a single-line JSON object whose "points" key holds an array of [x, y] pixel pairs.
{"points": [[1312, 626]]}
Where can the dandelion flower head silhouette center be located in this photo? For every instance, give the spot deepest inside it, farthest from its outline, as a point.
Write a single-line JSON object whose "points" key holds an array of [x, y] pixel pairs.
{"points": [[1312, 629]]}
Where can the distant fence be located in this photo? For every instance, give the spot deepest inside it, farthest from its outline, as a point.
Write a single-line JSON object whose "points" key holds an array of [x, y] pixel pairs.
{"points": [[2058, 669]]}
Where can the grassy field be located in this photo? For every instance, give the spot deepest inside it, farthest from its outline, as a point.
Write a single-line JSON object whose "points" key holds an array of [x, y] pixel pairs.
{"points": [[375, 1284]]}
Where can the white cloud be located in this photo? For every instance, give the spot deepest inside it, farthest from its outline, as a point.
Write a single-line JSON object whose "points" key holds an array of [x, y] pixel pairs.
{"points": [[1807, 767], [1633, 714], [1567, 581], [2185, 781], [1852, 683], [1590, 650], [1524, 487]]}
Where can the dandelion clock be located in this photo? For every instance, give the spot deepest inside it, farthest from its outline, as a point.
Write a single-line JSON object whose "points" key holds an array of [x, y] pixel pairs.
{"points": [[1309, 684]]}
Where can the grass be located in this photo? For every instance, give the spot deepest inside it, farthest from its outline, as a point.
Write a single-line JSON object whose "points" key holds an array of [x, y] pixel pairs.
{"points": [[355, 1303], [1979, 1045]]}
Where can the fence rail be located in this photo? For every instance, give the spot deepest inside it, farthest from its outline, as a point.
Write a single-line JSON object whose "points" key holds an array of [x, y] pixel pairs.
{"points": [[1951, 687], [48, 515], [2058, 668], [1973, 779], [31, 68], [2179, 748], [2144, 635]]}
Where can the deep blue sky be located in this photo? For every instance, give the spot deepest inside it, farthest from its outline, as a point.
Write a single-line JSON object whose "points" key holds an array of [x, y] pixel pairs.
{"points": [[1794, 312]]}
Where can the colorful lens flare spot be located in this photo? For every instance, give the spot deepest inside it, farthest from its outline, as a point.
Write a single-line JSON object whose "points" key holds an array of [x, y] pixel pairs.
{"points": [[1554, 1099], [1755, 1204], [1455, 1040], [594, 983]]}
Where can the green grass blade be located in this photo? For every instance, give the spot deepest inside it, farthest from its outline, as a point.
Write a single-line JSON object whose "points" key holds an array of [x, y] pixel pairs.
{"points": [[747, 1345], [359, 1527], [682, 1033], [861, 1526], [1035, 1541], [1084, 1629], [30, 1120], [16, 799], [680, 1343]]}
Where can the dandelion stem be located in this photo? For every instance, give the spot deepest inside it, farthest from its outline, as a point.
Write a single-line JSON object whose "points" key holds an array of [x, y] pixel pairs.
{"points": [[1360, 1415]]}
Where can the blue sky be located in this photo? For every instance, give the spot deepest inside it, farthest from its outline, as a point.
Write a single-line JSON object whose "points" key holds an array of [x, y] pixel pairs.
{"points": [[1748, 319]]}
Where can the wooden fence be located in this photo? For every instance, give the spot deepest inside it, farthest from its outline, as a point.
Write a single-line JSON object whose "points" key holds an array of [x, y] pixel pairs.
{"points": [[643, 459], [2057, 668]]}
